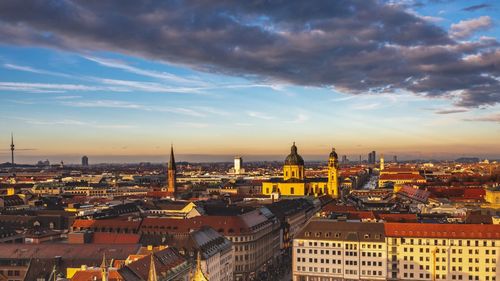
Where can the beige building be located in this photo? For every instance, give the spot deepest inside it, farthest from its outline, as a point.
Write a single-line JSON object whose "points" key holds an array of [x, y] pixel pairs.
{"points": [[443, 251]]}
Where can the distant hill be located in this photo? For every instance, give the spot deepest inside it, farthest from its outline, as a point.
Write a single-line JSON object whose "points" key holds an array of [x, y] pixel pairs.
{"points": [[467, 160]]}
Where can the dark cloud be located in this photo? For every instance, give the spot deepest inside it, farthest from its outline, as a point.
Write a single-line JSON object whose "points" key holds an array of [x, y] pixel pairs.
{"points": [[354, 46], [476, 7], [451, 111]]}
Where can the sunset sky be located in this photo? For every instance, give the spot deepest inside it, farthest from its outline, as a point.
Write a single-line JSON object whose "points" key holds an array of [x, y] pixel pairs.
{"points": [[420, 79]]}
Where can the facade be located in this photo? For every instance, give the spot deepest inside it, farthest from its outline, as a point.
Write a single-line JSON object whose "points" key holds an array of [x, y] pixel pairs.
{"points": [[327, 250], [492, 196], [294, 182], [330, 250]]}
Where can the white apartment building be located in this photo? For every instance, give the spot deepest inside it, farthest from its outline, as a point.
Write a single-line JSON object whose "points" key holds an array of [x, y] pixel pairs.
{"points": [[327, 250]]}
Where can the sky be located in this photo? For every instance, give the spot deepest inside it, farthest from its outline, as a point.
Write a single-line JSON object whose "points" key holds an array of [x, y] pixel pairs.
{"points": [[120, 81]]}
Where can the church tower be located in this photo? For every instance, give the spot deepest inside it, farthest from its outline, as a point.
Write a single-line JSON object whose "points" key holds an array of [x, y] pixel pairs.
{"points": [[104, 268], [333, 174], [294, 165], [172, 173]]}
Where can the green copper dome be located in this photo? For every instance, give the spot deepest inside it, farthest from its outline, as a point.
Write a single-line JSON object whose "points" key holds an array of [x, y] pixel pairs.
{"points": [[294, 158]]}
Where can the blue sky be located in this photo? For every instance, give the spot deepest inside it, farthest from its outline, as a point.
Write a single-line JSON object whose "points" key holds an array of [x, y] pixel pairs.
{"points": [[114, 105]]}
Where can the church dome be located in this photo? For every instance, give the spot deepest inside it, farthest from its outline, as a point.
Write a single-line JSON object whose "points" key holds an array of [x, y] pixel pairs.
{"points": [[333, 154], [294, 158]]}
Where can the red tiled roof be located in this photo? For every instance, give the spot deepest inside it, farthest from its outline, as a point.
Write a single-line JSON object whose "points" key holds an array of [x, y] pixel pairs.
{"points": [[398, 217], [401, 177], [427, 230], [457, 192], [414, 193], [95, 274], [164, 261], [115, 238], [107, 223], [400, 170], [229, 225], [159, 194], [332, 207], [361, 215]]}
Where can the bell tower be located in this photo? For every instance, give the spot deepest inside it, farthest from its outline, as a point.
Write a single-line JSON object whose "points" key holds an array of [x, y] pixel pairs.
{"points": [[172, 173], [333, 174]]}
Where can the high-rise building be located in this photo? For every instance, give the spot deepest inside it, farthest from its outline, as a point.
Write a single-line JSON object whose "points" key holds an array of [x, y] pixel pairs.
{"points": [[395, 159], [372, 157], [238, 164], [381, 162], [172, 173], [344, 159], [85, 161]]}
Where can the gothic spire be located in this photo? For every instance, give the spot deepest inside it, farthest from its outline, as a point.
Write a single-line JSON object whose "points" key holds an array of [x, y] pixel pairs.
{"points": [[171, 163], [104, 269]]}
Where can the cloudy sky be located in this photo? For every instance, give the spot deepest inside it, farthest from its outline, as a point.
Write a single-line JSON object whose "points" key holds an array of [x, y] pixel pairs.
{"points": [[121, 80]]}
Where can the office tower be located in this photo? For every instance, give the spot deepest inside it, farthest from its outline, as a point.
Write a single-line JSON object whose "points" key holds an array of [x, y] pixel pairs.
{"points": [[372, 157], [344, 159], [395, 159], [85, 161], [238, 163]]}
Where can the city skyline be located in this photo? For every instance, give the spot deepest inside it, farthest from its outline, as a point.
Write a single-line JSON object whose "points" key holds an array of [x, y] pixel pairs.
{"points": [[22, 159], [430, 92]]}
